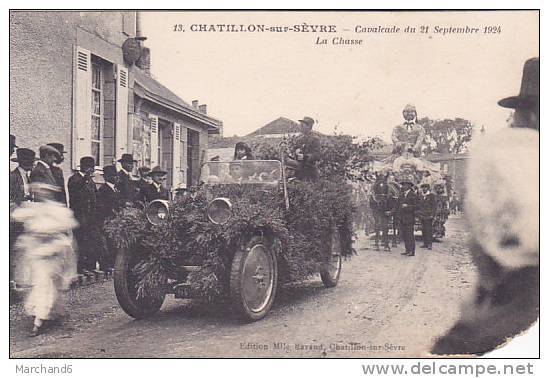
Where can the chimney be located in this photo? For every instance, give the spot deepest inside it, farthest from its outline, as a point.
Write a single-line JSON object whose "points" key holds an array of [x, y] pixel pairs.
{"points": [[203, 109], [195, 104], [144, 61]]}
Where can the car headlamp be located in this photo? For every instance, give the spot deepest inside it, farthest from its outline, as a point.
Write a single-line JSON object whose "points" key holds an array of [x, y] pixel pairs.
{"points": [[219, 210], [158, 212]]}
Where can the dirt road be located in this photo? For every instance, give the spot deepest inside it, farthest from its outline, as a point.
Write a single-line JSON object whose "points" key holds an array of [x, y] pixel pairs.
{"points": [[385, 305]]}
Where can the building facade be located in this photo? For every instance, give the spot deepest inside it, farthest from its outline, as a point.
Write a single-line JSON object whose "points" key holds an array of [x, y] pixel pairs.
{"points": [[83, 79]]}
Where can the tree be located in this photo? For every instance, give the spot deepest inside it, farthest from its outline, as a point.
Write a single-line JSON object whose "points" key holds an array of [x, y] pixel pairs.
{"points": [[447, 135]]}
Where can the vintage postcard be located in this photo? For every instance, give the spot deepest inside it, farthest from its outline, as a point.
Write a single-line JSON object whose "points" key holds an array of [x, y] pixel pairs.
{"points": [[282, 184]]}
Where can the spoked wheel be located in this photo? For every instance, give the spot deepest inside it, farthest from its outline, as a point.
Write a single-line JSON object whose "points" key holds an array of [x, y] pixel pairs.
{"points": [[331, 269], [254, 277], [125, 287]]}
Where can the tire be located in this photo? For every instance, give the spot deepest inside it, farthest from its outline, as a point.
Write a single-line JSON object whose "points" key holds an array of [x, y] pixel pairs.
{"points": [[254, 279], [125, 287], [331, 268]]}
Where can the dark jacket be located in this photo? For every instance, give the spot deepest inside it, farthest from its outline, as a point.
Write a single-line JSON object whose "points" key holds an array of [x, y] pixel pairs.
{"points": [[42, 174], [427, 206], [60, 180], [151, 193], [309, 145], [82, 199], [127, 187], [141, 186], [109, 201], [17, 189], [407, 214]]}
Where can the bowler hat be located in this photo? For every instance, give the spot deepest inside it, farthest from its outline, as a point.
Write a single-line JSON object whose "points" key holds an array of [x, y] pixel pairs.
{"points": [[109, 171], [529, 88], [24, 155], [46, 150], [308, 121], [157, 171], [59, 147], [143, 169], [87, 162], [12, 141], [127, 158]]}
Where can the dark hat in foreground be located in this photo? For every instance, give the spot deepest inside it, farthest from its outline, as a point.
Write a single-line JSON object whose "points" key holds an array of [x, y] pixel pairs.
{"points": [[46, 150], [308, 121], [109, 171], [87, 162], [59, 147], [157, 171], [529, 88], [143, 169], [24, 155], [127, 158], [425, 185], [12, 141]]}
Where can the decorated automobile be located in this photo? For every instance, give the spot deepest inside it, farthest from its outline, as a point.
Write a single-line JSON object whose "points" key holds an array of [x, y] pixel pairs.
{"points": [[243, 232]]}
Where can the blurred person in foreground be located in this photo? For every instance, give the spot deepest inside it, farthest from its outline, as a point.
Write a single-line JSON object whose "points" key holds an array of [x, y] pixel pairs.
{"points": [[48, 262], [502, 208]]}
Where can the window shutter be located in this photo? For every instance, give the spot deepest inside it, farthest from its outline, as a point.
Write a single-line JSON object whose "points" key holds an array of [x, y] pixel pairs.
{"points": [[176, 155], [82, 105], [183, 155], [154, 140], [121, 139]]}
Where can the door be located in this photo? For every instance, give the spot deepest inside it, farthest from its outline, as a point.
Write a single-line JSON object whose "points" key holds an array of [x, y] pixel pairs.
{"points": [[193, 158]]}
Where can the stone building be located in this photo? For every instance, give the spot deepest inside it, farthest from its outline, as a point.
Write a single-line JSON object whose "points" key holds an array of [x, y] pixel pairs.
{"points": [[83, 79]]}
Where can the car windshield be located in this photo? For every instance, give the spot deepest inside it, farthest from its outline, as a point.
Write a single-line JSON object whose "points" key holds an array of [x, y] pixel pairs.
{"points": [[241, 172]]}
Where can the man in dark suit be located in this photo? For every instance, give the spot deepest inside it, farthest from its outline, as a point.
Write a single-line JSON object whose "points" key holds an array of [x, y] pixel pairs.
{"points": [[19, 177], [83, 202], [109, 202], [42, 171], [308, 151], [143, 182], [156, 189], [58, 172], [407, 204], [19, 193], [426, 210], [126, 184]]}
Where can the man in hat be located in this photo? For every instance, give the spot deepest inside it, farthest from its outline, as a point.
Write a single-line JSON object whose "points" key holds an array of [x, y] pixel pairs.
{"points": [[307, 152], [42, 171], [407, 204], [20, 176], [426, 210], [58, 172], [19, 192], [109, 202], [156, 189], [382, 205], [502, 206], [143, 182], [526, 104], [83, 202], [13, 146], [410, 134], [126, 184]]}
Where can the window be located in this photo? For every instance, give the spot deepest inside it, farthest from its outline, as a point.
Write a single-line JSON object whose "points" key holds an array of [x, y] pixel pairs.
{"points": [[96, 113]]}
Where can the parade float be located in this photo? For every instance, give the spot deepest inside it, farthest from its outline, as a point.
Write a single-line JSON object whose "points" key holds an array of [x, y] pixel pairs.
{"points": [[243, 232]]}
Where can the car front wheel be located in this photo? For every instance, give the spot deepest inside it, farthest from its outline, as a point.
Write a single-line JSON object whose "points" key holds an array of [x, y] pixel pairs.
{"points": [[254, 278], [331, 267]]}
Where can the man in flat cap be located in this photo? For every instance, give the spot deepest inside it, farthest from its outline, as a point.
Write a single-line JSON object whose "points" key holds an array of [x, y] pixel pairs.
{"points": [[83, 202], [42, 171], [109, 201], [502, 207], [143, 183], [58, 172], [126, 184], [307, 152]]}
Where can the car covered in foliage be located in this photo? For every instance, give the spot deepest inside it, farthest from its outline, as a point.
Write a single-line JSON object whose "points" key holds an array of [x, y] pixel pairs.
{"points": [[242, 233]]}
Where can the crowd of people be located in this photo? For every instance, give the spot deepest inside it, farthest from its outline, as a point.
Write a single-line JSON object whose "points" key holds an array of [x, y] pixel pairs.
{"points": [[57, 225]]}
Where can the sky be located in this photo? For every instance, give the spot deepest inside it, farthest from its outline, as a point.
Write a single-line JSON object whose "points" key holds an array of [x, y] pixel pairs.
{"points": [[250, 79]]}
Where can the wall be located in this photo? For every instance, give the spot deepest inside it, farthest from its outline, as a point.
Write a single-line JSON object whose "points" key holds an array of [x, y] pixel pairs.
{"points": [[41, 69]]}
